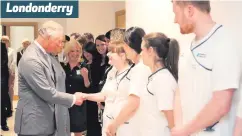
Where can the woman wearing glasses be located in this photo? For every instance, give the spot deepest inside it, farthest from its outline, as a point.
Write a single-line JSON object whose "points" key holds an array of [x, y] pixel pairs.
{"points": [[161, 55]]}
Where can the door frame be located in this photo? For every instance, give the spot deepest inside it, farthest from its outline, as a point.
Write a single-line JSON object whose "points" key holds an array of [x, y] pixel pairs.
{"points": [[117, 14], [8, 24]]}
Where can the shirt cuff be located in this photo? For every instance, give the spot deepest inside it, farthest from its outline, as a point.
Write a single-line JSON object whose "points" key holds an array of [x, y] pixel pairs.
{"points": [[74, 100]]}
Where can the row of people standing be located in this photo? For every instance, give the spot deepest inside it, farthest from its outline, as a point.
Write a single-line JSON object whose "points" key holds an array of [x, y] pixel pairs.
{"points": [[141, 100], [127, 83], [85, 65]]}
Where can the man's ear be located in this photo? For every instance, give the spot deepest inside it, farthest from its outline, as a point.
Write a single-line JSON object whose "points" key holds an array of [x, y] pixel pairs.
{"points": [[43, 33]]}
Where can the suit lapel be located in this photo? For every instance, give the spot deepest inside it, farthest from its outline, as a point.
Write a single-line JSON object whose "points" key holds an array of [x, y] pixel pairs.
{"points": [[43, 59]]}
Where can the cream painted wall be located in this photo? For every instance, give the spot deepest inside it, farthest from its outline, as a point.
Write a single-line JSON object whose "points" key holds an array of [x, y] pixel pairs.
{"points": [[118, 6], [62, 21], [16, 43], [95, 17], [16, 38], [157, 16]]}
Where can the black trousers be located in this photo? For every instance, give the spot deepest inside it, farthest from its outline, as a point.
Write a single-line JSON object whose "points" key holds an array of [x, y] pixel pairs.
{"points": [[5, 103]]}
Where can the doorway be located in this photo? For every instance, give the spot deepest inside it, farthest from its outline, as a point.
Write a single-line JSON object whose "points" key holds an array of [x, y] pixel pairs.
{"points": [[17, 32], [120, 19]]}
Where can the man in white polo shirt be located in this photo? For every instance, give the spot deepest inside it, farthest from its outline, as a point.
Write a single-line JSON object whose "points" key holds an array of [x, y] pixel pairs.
{"points": [[209, 85]]}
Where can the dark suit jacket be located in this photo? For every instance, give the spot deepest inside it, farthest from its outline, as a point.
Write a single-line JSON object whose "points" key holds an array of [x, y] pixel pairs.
{"points": [[4, 65]]}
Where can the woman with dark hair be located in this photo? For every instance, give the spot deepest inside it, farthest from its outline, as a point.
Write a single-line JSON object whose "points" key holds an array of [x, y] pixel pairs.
{"points": [[93, 62], [161, 55], [102, 49], [138, 79]]}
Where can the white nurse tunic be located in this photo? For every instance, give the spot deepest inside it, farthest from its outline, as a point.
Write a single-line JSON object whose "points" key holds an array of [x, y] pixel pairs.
{"points": [[212, 65], [158, 96], [109, 91], [116, 98]]}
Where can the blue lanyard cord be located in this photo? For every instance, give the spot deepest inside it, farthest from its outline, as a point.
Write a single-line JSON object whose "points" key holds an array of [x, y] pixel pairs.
{"points": [[192, 49]]}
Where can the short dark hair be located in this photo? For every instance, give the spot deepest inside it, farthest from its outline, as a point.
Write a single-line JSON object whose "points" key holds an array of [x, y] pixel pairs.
{"points": [[203, 5], [107, 35]]}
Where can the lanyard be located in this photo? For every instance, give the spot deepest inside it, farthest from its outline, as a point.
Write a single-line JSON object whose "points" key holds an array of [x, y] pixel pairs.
{"points": [[116, 75], [149, 79], [192, 49]]}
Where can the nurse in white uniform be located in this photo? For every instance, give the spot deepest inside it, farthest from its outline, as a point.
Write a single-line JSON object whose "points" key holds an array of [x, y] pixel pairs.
{"points": [[138, 80], [208, 88], [115, 91], [160, 54]]}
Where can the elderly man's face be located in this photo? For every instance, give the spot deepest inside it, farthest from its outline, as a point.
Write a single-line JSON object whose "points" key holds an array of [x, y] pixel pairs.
{"points": [[56, 44], [26, 44]]}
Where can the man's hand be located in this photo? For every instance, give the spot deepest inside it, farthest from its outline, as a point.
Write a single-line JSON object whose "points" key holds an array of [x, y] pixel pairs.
{"points": [[179, 131], [79, 98], [111, 129]]}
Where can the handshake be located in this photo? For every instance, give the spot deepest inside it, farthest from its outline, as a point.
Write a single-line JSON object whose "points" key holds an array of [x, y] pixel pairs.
{"points": [[80, 97]]}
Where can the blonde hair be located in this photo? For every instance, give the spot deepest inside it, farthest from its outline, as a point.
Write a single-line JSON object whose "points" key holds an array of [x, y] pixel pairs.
{"points": [[117, 34], [69, 45], [116, 47]]}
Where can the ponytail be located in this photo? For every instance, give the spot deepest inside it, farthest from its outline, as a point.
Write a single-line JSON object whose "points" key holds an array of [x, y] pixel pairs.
{"points": [[166, 49], [171, 60]]}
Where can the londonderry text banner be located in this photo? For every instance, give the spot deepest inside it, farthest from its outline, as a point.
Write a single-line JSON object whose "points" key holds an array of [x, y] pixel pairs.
{"points": [[39, 9]]}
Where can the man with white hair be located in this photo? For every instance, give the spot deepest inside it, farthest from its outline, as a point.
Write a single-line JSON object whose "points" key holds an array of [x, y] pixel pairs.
{"points": [[25, 43], [35, 112]]}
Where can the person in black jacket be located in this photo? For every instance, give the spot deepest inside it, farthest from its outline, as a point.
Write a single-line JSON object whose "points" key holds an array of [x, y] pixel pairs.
{"points": [[5, 98], [102, 49], [93, 60], [77, 80]]}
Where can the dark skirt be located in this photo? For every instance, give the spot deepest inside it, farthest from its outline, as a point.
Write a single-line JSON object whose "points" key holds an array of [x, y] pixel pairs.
{"points": [[93, 125], [78, 122]]}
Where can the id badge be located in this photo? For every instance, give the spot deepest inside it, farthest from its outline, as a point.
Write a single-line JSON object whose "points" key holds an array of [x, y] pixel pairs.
{"points": [[78, 72]]}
